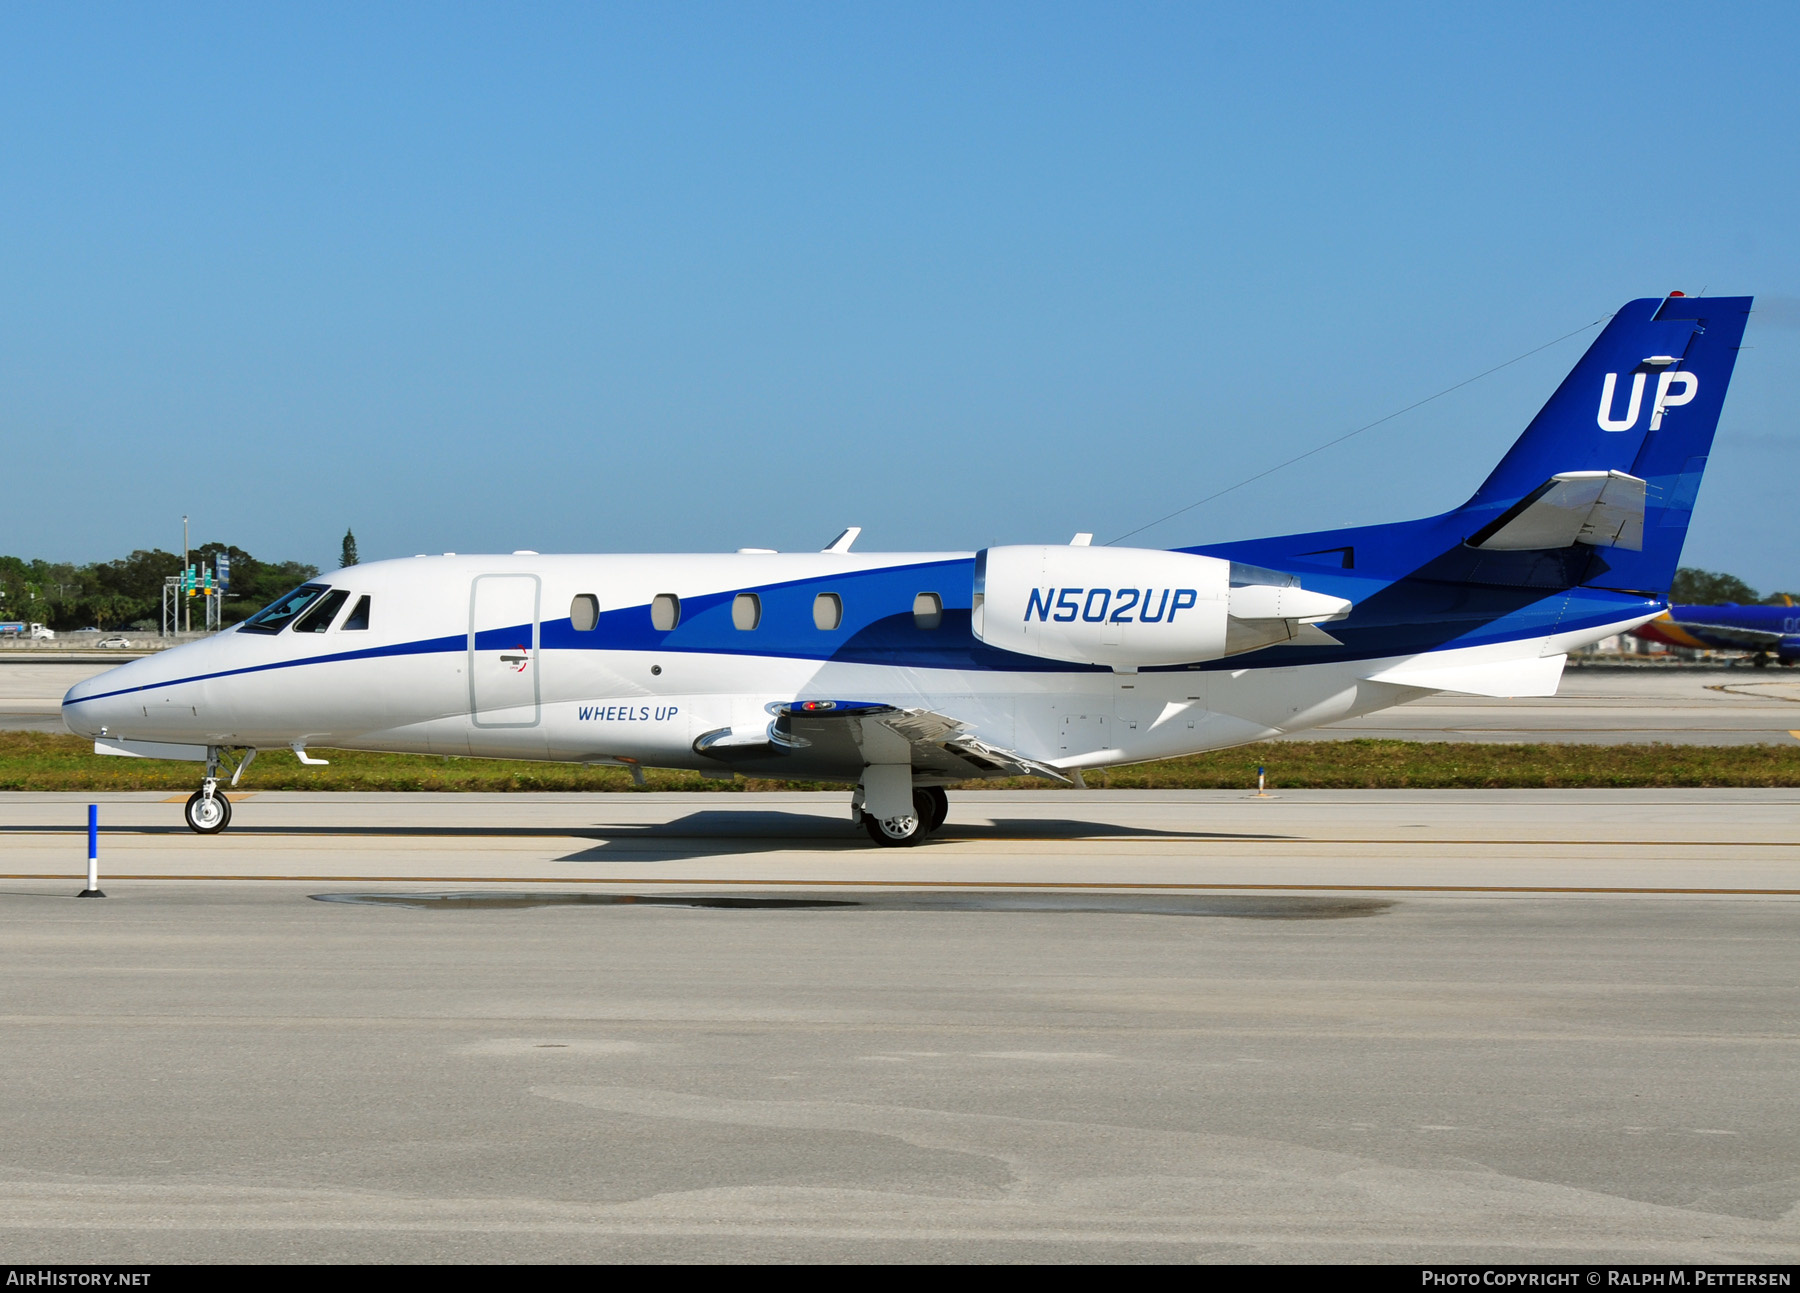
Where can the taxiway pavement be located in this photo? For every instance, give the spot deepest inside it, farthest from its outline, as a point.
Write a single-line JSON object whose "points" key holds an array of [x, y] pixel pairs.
{"points": [[1502, 1026], [1603, 705], [1727, 840]]}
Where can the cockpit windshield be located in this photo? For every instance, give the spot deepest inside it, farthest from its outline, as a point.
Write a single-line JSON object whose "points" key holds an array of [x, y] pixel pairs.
{"points": [[279, 613]]}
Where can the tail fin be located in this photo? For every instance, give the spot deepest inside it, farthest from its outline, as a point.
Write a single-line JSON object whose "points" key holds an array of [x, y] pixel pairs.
{"points": [[1643, 401]]}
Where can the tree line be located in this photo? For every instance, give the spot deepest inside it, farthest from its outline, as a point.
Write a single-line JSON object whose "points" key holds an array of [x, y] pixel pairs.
{"points": [[127, 593], [1709, 588]]}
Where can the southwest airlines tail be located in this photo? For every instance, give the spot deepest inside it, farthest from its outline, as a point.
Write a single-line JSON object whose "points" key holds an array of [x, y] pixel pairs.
{"points": [[1614, 460]]}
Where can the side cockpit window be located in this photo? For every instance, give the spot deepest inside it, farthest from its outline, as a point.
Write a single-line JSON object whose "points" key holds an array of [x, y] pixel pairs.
{"points": [[358, 617], [319, 618], [278, 614]]}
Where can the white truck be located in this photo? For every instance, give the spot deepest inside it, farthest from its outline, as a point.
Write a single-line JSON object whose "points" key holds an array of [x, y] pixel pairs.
{"points": [[19, 629]]}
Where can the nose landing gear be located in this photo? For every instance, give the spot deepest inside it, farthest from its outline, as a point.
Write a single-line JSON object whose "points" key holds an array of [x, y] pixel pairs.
{"points": [[208, 811]]}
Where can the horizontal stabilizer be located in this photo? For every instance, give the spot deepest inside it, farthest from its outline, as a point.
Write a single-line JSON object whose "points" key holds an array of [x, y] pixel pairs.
{"points": [[1537, 676], [1601, 508]]}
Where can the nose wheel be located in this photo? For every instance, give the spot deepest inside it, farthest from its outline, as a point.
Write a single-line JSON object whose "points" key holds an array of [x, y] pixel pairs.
{"points": [[208, 812]]}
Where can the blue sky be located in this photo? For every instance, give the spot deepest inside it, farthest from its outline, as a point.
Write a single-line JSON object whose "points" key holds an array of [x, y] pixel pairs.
{"points": [[689, 277]]}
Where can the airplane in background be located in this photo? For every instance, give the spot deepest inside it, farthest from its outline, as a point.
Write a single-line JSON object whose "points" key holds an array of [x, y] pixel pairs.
{"points": [[1770, 632], [899, 674]]}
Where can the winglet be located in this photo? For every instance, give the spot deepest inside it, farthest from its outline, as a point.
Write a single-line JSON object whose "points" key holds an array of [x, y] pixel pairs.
{"points": [[843, 541]]}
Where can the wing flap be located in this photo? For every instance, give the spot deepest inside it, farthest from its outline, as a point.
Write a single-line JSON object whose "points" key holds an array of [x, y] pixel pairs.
{"points": [[851, 734]]}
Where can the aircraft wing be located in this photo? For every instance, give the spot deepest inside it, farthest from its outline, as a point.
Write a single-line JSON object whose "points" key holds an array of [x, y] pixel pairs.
{"points": [[1601, 508], [840, 737]]}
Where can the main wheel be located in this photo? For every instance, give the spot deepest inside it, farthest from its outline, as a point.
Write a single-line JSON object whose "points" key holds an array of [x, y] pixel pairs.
{"points": [[208, 816], [903, 832], [939, 800]]}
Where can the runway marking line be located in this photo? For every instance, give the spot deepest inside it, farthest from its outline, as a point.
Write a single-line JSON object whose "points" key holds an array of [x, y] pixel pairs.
{"points": [[1737, 689], [643, 881]]}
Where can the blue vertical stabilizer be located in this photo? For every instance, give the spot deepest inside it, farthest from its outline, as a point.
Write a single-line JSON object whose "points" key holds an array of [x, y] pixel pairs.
{"points": [[1644, 400]]}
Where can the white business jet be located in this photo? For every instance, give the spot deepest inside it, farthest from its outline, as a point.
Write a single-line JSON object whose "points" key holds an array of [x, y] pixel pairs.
{"points": [[899, 674]]}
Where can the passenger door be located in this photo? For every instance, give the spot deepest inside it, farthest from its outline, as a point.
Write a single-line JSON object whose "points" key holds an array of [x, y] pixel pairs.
{"points": [[503, 651]]}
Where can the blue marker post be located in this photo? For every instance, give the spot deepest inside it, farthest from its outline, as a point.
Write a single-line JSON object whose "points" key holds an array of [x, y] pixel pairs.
{"points": [[93, 884], [1262, 785]]}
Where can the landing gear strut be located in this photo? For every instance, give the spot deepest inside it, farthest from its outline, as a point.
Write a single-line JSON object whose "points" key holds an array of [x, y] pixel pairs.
{"points": [[930, 806]]}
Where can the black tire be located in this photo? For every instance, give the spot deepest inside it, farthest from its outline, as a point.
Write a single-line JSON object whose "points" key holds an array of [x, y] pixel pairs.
{"points": [[903, 832], [939, 800], [204, 822]]}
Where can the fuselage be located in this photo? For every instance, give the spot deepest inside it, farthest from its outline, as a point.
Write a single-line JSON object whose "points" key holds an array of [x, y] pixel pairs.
{"points": [[638, 658], [1774, 630]]}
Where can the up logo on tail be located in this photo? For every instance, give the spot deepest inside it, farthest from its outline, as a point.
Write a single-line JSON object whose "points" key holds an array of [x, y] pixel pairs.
{"points": [[1672, 388]]}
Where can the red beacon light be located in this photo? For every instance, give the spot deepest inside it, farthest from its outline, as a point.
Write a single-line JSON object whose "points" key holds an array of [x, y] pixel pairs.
{"points": [[1677, 293]]}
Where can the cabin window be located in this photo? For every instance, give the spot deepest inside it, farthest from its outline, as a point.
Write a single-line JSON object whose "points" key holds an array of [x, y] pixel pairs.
{"points": [[278, 614], [319, 618], [665, 612], [746, 611], [584, 613], [828, 611], [358, 618], [928, 611]]}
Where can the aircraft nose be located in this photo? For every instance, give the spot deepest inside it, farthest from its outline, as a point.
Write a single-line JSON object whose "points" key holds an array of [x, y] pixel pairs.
{"points": [[85, 711], [106, 700]]}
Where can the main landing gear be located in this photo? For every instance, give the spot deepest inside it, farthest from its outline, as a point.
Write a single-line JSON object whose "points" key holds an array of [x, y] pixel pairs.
{"points": [[931, 804], [208, 810]]}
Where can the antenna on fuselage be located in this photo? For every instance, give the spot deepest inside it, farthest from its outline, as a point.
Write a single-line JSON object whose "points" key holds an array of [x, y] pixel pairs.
{"points": [[843, 541]]}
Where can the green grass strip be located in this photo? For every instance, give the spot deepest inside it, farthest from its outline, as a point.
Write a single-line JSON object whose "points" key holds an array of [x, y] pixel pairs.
{"points": [[43, 761]]}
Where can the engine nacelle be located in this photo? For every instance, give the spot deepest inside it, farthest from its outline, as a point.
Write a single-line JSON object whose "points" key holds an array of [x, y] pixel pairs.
{"points": [[1125, 607]]}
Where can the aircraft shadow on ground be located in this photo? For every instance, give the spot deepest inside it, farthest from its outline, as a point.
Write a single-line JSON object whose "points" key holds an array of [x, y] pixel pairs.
{"points": [[708, 833], [697, 834]]}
